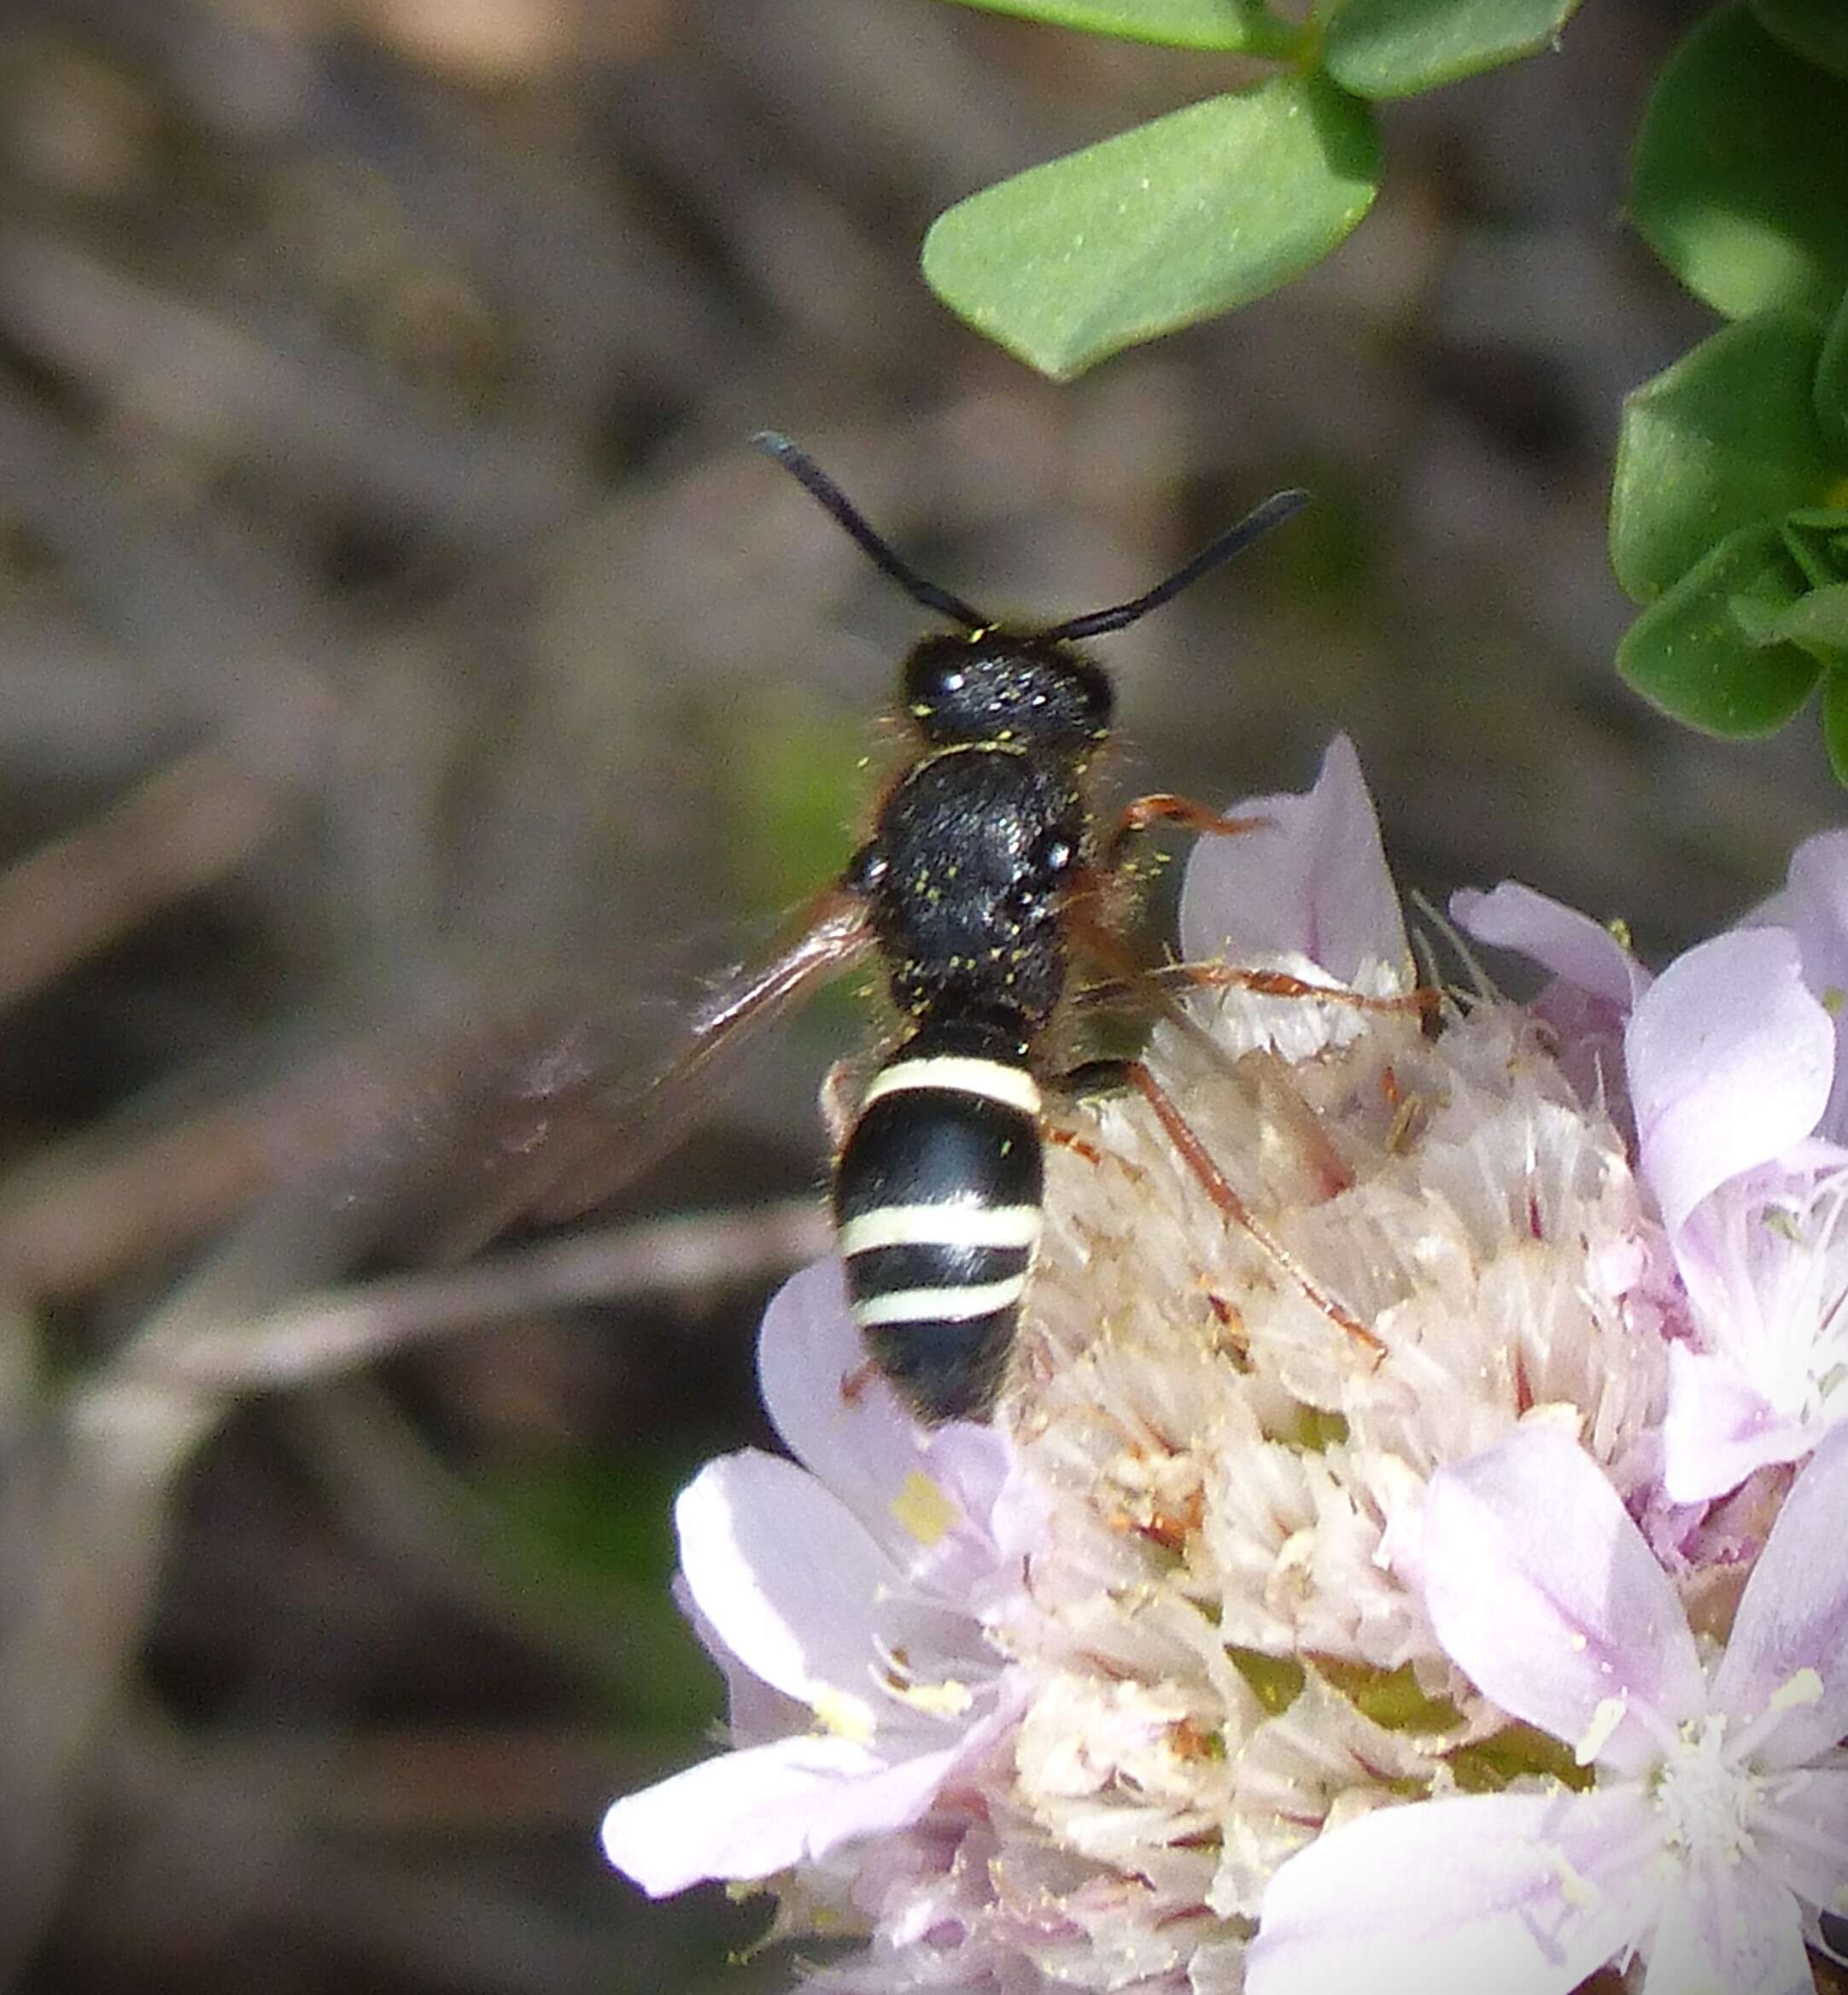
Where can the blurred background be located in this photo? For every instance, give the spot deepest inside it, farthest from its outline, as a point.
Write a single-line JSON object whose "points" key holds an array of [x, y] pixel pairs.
{"points": [[411, 679]]}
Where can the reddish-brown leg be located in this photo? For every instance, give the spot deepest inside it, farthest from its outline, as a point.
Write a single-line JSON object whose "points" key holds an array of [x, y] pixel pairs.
{"points": [[1108, 948], [1144, 813], [1280, 984], [1209, 976], [1213, 1182]]}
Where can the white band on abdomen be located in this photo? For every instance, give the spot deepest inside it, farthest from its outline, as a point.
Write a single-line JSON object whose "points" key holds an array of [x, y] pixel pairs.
{"points": [[939, 1305], [1014, 1087], [940, 1225]]}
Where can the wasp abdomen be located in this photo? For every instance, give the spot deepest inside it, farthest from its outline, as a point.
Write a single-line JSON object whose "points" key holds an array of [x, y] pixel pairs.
{"points": [[937, 1200]]}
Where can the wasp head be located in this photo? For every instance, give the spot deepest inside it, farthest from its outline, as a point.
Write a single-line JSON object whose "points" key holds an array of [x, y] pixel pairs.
{"points": [[1039, 695]]}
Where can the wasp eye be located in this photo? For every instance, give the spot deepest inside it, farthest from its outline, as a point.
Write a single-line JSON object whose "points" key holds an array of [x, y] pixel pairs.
{"points": [[937, 684], [866, 869]]}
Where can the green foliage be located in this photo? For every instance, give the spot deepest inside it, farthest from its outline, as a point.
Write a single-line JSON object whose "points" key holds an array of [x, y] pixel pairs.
{"points": [[1816, 30], [1487, 1766], [1726, 437], [1213, 206], [1276, 1682], [1708, 650], [1741, 173], [1818, 622], [591, 1537], [1207, 208], [1729, 505], [796, 775], [1831, 382], [1817, 537], [1391, 1698], [1397, 48], [1242, 27], [1835, 723]]}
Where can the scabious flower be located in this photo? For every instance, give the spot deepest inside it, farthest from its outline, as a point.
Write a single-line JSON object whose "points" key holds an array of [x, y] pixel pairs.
{"points": [[1056, 1704], [845, 1601], [1730, 1065], [1720, 1807]]}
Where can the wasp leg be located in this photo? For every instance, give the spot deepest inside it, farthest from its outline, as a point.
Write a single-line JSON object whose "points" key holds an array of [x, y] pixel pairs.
{"points": [[1112, 1076], [1144, 813], [1319, 1154], [1129, 991]]}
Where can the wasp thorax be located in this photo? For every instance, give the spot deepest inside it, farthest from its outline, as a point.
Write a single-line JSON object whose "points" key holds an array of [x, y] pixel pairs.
{"points": [[1001, 686]]}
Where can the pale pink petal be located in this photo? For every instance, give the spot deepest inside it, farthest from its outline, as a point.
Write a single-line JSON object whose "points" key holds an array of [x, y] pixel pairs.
{"points": [[1818, 905], [1544, 1593], [952, 1529], [1789, 1644], [756, 1711], [1311, 882], [1678, 1961], [1521, 1894], [837, 1415], [784, 1575], [924, 1495], [1800, 1832], [1719, 1428], [1727, 1929], [1815, 907], [750, 1814], [1571, 945], [1731, 1061]]}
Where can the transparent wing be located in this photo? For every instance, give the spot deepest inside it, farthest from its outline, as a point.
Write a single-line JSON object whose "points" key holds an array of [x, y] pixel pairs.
{"points": [[629, 1127], [536, 1119]]}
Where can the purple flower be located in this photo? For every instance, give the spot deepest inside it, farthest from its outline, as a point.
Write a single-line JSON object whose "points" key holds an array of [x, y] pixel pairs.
{"points": [[1727, 1065], [1720, 1808], [1754, 1204], [1079, 1702], [845, 1601]]}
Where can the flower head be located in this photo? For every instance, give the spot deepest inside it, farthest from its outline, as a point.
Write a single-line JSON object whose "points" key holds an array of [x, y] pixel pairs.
{"points": [[1254, 1570], [1720, 1809], [845, 1602], [1727, 1065]]}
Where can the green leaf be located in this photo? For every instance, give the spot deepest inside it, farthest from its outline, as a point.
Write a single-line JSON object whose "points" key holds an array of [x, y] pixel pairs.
{"points": [[1203, 210], [1817, 537], [1741, 178], [1689, 653], [1396, 48], [1835, 724], [1831, 382], [1819, 623], [1816, 30], [1726, 437], [1244, 27], [1391, 1698]]}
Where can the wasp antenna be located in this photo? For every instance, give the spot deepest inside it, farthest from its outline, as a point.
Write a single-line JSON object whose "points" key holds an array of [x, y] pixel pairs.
{"points": [[829, 496], [1274, 511]]}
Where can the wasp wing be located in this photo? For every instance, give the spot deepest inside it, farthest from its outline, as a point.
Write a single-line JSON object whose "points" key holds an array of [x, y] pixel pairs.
{"points": [[571, 1127]]}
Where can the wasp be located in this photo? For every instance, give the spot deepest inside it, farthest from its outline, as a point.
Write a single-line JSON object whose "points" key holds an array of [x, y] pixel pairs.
{"points": [[982, 880]]}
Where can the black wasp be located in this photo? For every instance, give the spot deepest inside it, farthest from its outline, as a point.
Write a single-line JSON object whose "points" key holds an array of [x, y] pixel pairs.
{"points": [[984, 874]]}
